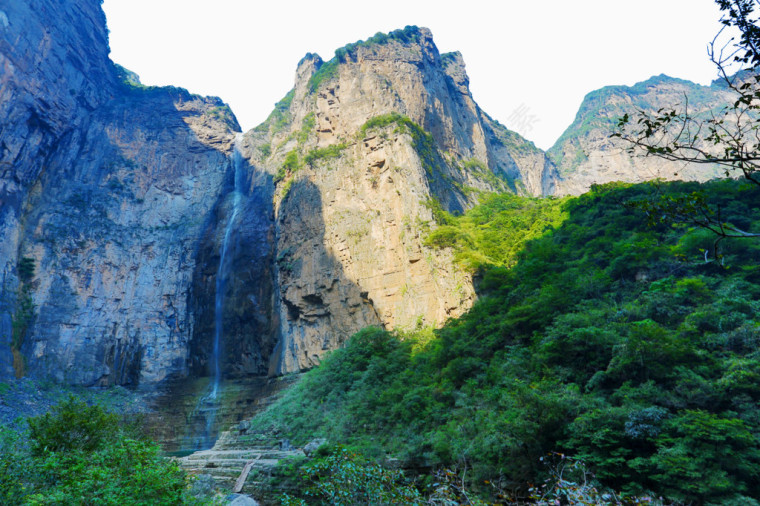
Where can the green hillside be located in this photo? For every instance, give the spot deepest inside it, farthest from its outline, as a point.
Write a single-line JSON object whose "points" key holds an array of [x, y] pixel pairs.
{"points": [[609, 341]]}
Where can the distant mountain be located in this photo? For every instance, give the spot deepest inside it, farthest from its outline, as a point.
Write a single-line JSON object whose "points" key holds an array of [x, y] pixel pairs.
{"points": [[585, 154]]}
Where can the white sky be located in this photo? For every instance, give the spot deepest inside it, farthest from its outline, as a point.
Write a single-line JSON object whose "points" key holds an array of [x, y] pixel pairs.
{"points": [[539, 57]]}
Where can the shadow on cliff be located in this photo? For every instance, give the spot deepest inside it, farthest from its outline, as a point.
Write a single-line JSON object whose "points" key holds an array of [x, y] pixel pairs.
{"points": [[286, 302], [287, 299], [249, 333], [320, 306], [110, 223]]}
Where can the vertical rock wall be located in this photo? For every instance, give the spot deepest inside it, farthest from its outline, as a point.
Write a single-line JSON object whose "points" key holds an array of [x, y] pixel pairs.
{"points": [[119, 195], [354, 200]]}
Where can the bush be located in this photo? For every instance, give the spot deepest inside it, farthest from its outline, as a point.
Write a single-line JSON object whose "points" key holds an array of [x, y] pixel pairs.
{"points": [[343, 478], [80, 454], [594, 335]]}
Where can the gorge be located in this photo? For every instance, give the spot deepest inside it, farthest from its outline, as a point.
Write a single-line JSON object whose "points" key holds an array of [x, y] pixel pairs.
{"points": [[119, 193], [202, 266]]}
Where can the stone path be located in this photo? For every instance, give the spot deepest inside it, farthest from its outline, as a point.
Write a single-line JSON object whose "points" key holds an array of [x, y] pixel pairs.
{"points": [[232, 452]]}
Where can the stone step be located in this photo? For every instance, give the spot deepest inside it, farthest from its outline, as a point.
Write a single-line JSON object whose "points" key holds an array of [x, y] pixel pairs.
{"points": [[230, 463], [232, 451], [247, 454]]}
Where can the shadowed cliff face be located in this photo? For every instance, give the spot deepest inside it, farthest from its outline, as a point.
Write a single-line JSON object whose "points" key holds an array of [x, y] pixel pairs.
{"points": [[319, 306], [51, 77], [249, 331], [112, 224], [106, 187]]}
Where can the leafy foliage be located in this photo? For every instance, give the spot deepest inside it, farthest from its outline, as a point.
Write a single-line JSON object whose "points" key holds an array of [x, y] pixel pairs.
{"points": [[326, 153], [329, 70], [290, 165], [280, 116], [80, 454], [26, 269], [24, 314], [495, 232], [343, 478], [608, 339], [421, 140]]}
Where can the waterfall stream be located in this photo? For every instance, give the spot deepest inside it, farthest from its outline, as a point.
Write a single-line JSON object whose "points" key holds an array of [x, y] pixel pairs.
{"points": [[208, 404], [223, 271]]}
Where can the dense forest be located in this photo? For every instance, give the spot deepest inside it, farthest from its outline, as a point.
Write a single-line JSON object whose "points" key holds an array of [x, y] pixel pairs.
{"points": [[629, 346]]}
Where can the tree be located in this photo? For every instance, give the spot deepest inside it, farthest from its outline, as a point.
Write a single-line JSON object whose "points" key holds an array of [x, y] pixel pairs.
{"points": [[80, 454], [729, 138]]}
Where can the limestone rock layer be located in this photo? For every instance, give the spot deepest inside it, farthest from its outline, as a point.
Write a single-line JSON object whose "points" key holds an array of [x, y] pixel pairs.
{"points": [[117, 200]]}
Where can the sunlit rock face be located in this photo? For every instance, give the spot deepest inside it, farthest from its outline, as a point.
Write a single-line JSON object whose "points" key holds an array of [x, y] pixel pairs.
{"points": [[586, 154], [362, 150]]}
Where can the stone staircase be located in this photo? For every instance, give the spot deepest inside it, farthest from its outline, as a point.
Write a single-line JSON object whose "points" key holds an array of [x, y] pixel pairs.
{"points": [[233, 451]]}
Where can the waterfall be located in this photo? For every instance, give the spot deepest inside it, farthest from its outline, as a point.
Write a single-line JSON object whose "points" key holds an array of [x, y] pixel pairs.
{"points": [[223, 271], [208, 405]]}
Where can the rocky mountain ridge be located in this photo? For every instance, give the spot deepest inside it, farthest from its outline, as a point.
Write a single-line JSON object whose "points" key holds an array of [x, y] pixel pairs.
{"points": [[366, 171], [117, 196], [585, 154]]}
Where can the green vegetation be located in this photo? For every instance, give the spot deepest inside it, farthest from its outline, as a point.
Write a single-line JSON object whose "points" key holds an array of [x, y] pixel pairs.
{"points": [[127, 77], [343, 478], [81, 454], [286, 188], [479, 169], [291, 165], [224, 114], [382, 121], [280, 116], [326, 72], [495, 232], [307, 126], [328, 153], [448, 58], [607, 340], [422, 141], [440, 215], [329, 70]]}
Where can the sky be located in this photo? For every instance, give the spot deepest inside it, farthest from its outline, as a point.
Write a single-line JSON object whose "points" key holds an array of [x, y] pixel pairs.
{"points": [[530, 63]]}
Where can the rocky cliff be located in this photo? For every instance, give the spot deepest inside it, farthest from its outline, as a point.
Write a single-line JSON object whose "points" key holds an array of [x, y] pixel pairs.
{"points": [[364, 151], [585, 154], [106, 188], [119, 202], [51, 78]]}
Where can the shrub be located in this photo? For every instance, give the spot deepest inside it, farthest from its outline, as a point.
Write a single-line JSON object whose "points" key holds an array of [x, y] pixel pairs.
{"points": [[344, 478], [80, 454]]}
